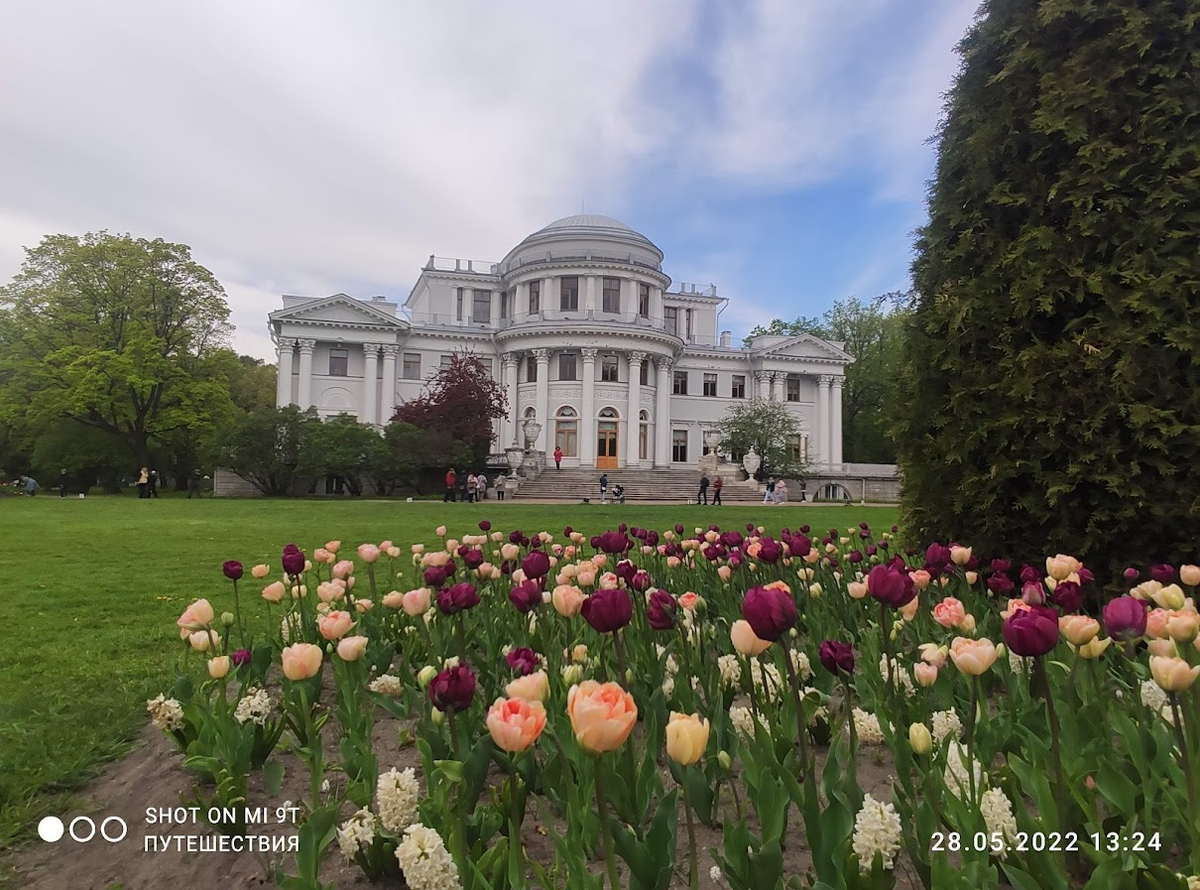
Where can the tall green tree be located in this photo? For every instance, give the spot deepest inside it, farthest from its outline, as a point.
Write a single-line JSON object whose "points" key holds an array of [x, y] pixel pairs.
{"points": [[115, 333], [770, 429], [341, 446], [1052, 385], [265, 447]]}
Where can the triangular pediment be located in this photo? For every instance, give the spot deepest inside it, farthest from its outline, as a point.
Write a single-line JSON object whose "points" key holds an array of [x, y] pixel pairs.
{"points": [[804, 346], [338, 309]]}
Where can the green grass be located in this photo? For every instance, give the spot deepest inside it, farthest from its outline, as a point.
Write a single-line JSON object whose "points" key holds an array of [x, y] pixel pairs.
{"points": [[87, 616]]}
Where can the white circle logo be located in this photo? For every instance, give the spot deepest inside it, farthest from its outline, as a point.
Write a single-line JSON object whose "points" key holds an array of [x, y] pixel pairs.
{"points": [[104, 829], [51, 829], [90, 824]]}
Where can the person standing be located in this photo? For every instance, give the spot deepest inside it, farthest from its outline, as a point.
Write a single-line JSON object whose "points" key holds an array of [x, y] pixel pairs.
{"points": [[557, 457], [472, 483], [500, 487], [718, 483], [450, 479], [702, 495], [803, 490], [143, 483], [769, 497], [603, 487], [154, 483], [781, 492], [481, 486], [62, 483]]}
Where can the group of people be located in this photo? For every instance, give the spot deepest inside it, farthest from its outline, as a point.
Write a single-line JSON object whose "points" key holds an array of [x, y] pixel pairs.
{"points": [[472, 487], [147, 483], [717, 485]]}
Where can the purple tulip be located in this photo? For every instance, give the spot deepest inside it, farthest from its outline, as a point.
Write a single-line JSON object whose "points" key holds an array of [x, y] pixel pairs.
{"points": [[1031, 632], [1068, 596], [453, 689], [1033, 593], [1029, 573], [1132, 574], [771, 612], [435, 576], [536, 564], [522, 660], [515, 536], [769, 550], [625, 570], [1001, 565], [855, 556], [232, 569], [1000, 584], [937, 554], [526, 596], [241, 657], [1125, 618], [293, 560], [837, 656], [640, 581], [457, 598], [891, 586], [660, 610], [484, 525], [608, 610], [472, 558], [1163, 573], [614, 542]]}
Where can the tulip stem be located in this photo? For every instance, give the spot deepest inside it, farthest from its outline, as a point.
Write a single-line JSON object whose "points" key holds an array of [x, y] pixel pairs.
{"points": [[237, 606], [753, 694], [614, 881], [514, 837], [460, 634], [693, 866], [1043, 684], [1189, 777], [801, 723], [622, 678]]}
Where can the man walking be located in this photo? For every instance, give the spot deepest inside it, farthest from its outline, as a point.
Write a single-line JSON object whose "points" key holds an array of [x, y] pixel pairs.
{"points": [[450, 479], [154, 483], [769, 497], [702, 497], [717, 484], [603, 487]]}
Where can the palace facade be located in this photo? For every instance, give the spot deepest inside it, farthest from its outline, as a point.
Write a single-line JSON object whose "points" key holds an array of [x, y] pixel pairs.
{"points": [[587, 336]]}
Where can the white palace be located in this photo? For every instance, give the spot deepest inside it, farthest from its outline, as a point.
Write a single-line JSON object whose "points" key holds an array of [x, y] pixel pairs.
{"points": [[590, 341]]}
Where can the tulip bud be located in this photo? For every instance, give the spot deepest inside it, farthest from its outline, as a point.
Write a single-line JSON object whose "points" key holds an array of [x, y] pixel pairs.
{"points": [[926, 674], [437, 717], [1094, 648], [725, 761], [218, 667], [572, 674], [425, 677], [814, 590], [1170, 597], [227, 619], [1190, 575], [920, 739]]}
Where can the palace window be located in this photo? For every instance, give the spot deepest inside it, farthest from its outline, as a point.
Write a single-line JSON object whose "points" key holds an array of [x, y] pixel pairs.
{"points": [[481, 308], [531, 370], [689, 325], [644, 436], [566, 431], [680, 388], [489, 365], [535, 297], [710, 384], [339, 362], [566, 366], [609, 369], [671, 319], [612, 295], [412, 366], [504, 298], [798, 449], [459, 314], [645, 373], [679, 446], [738, 390], [446, 361], [644, 300], [793, 388], [568, 293]]}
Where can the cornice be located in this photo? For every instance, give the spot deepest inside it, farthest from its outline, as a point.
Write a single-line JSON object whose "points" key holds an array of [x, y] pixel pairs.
{"points": [[520, 276]]}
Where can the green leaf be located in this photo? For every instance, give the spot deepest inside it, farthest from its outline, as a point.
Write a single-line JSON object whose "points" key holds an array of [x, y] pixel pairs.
{"points": [[273, 771]]}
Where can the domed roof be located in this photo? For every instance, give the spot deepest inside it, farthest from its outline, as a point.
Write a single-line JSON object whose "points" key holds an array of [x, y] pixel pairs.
{"points": [[589, 224], [561, 240], [587, 221]]}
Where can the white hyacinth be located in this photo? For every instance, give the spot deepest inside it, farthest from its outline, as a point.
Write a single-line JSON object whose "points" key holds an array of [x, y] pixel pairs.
{"points": [[766, 677], [1016, 663], [715, 875], [357, 833], [254, 707], [290, 628], [876, 830], [956, 777], [396, 797], [997, 811], [668, 685], [731, 671], [426, 862], [801, 663], [867, 727], [743, 721], [946, 723], [900, 675], [165, 713], [386, 684], [1153, 697]]}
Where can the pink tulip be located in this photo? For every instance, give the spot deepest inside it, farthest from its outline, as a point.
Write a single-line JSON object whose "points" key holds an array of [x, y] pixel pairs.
{"points": [[393, 599], [323, 556], [1156, 623], [857, 590], [368, 553], [515, 723], [343, 569], [301, 661], [416, 602], [531, 687], [260, 571], [567, 600], [335, 625], [602, 715], [333, 546], [926, 674], [949, 612], [352, 648], [273, 593], [724, 573], [328, 591], [197, 616], [363, 605]]}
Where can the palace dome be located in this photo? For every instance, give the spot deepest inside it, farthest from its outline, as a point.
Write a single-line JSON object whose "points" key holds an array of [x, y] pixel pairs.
{"points": [[584, 227]]}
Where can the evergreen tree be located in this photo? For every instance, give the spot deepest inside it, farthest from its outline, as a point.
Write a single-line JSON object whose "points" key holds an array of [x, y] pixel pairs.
{"points": [[1051, 373]]}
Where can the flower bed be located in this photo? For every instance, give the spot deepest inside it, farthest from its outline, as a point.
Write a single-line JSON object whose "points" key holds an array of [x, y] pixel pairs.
{"points": [[630, 693]]}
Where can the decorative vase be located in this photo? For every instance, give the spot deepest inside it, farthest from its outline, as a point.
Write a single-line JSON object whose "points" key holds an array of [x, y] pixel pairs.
{"points": [[514, 454], [532, 429], [751, 462]]}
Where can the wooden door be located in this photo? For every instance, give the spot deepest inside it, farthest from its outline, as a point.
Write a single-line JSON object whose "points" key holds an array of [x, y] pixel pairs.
{"points": [[606, 447]]}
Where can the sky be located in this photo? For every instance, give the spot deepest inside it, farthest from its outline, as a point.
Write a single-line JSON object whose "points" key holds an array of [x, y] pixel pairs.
{"points": [[778, 149]]}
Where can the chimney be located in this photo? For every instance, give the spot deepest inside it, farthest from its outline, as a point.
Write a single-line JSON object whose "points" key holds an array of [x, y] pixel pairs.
{"points": [[379, 299], [726, 339]]}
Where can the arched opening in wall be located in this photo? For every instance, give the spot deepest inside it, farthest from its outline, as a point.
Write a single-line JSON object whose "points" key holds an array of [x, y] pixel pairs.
{"points": [[834, 491], [644, 435], [606, 438], [566, 431]]}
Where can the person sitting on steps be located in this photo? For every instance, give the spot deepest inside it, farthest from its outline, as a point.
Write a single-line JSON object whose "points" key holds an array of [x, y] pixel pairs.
{"points": [[618, 494]]}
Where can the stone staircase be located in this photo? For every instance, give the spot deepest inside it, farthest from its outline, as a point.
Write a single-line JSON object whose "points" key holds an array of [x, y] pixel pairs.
{"points": [[677, 486]]}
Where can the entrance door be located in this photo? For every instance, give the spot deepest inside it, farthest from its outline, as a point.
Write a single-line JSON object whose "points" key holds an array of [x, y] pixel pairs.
{"points": [[606, 446]]}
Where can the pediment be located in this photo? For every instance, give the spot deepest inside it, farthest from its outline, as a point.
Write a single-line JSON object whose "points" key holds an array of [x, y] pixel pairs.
{"points": [[338, 309], [805, 346]]}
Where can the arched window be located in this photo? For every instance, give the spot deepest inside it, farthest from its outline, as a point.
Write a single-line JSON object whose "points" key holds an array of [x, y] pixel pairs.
{"points": [[644, 435], [566, 431]]}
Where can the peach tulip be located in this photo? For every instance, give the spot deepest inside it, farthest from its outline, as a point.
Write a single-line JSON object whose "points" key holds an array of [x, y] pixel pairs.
{"points": [[393, 599], [926, 674], [857, 590], [343, 570], [531, 687], [417, 549], [609, 581], [1173, 674], [920, 578], [273, 593], [600, 560], [1165, 648], [967, 625], [323, 556], [1061, 567], [688, 600], [352, 648], [328, 591], [674, 562], [197, 616], [960, 556], [1094, 648], [335, 625], [567, 600], [932, 653], [1182, 627], [586, 577], [724, 573], [260, 571], [687, 737], [201, 640], [579, 654], [972, 657], [1156, 623], [1013, 606], [416, 602], [515, 723], [301, 661], [363, 605], [1170, 597], [971, 577], [909, 610], [393, 552], [218, 667], [745, 641], [1190, 575], [1078, 630], [333, 546], [602, 715]]}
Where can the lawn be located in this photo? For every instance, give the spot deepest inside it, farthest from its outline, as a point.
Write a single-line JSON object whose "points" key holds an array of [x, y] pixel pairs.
{"points": [[88, 616]]}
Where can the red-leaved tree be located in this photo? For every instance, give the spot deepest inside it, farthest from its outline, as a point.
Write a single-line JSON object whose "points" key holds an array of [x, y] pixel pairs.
{"points": [[462, 400]]}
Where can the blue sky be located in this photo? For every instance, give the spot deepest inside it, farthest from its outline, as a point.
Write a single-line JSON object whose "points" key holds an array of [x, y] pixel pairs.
{"points": [[775, 148]]}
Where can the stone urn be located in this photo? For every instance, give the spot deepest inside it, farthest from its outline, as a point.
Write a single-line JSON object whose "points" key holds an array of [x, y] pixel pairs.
{"points": [[532, 429], [751, 462], [514, 454], [712, 440]]}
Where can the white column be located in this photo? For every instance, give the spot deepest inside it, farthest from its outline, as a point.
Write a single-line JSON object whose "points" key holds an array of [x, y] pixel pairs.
{"points": [[511, 432], [835, 419], [519, 307], [764, 384], [823, 424], [387, 402], [635, 407], [662, 412], [304, 400], [589, 294], [656, 307], [366, 411], [543, 397], [587, 411], [549, 299], [497, 296], [283, 379]]}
